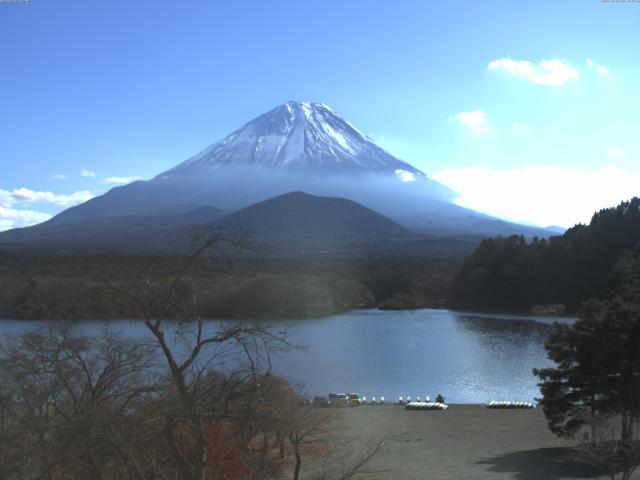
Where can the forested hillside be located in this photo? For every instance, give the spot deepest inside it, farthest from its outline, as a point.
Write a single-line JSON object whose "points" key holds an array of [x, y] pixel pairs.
{"points": [[513, 274], [94, 286]]}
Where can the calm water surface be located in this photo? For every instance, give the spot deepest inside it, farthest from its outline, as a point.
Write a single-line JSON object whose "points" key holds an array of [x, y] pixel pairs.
{"points": [[468, 357]]}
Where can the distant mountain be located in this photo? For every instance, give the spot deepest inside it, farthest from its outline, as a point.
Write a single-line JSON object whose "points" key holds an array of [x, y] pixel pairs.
{"points": [[299, 214], [290, 225], [302, 137], [298, 146], [556, 229], [298, 224]]}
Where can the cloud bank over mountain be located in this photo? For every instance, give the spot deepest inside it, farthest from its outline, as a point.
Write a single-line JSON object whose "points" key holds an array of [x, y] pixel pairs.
{"points": [[544, 195]]}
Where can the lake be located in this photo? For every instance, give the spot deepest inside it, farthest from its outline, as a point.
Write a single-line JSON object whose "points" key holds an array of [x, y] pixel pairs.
{"points": [[468, 357]]}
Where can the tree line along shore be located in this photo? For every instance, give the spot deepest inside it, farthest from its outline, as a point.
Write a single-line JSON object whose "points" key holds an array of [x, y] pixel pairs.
{"points": [[93, 286]]}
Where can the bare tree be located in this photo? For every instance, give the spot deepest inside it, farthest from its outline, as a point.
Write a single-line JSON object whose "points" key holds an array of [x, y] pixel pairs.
{"points": [[209, 369], [348, 456], [308, 427], [70, 401], [10, 445]]}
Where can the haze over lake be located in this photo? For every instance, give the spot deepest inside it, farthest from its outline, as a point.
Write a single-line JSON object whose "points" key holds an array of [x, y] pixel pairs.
{"points": [[468, 357]]}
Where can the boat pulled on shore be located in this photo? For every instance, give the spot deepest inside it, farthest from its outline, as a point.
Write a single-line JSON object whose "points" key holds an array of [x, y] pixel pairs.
{"points": [[509, 405]]}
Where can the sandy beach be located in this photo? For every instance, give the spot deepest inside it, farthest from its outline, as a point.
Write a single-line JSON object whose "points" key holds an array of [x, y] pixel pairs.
{"points": [[465, 442]]}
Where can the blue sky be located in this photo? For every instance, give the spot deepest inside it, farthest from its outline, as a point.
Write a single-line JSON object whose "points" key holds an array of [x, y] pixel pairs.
{"points": [[530, 110]]}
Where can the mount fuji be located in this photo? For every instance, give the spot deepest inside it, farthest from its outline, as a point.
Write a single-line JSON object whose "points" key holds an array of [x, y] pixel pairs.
{"points": [[300, 137], [296, 147]]}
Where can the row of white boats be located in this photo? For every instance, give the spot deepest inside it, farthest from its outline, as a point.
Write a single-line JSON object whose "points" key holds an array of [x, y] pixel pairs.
{"points": [[426, 406], [401, 400], [506, 404], [406, 400], [417, 404]]}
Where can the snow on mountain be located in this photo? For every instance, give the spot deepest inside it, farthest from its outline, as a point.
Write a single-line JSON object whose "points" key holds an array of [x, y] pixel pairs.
{"points": [[298, 146], [298, 136]]}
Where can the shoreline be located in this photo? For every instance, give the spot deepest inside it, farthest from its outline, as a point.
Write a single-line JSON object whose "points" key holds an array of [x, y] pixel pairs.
{"points": [[325, 314]]}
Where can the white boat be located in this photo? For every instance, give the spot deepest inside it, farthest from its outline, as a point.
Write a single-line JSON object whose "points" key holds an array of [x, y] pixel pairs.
{"points": [[507, 405], [426, 406]]}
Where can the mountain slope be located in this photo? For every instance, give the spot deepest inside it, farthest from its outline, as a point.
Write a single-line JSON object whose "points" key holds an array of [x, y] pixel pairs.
{"points": [[296, 136], [298, 224], [133, 233], [294, 147], [292, 225], [299, 214]]}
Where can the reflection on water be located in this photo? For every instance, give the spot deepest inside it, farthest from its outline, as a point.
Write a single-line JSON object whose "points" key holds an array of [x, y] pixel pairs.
{"points": [[468, 357], [514, 331]]}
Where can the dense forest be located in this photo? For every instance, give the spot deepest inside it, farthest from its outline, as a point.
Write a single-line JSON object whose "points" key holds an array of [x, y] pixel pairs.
{"points": [[95, 286], [515, 274]]}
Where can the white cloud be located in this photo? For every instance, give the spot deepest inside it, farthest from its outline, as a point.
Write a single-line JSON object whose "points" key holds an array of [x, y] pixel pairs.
{"points": [[405, 176], [615, 152], [601, 69], [121, 180], [6, 199], [59, 176], [14, 218], [87, 173], [522, 128], [26, 195], [540, 195], [553, 73], [476, 122]]}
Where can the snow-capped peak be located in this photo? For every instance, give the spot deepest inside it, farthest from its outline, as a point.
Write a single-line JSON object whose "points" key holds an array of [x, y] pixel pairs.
{"points": [[302, 136]]}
